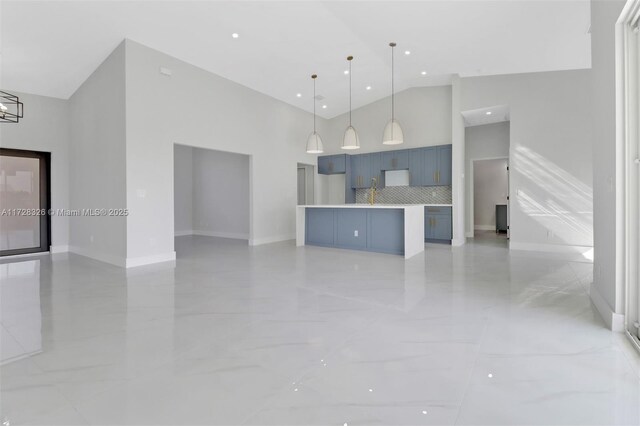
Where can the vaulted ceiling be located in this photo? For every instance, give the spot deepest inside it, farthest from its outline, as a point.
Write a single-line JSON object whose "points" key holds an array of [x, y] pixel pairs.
{"points": [[51, 47]]}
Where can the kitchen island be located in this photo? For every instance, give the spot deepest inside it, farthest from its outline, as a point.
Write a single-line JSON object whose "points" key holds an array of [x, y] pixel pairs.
{"points": [[383, 228]]}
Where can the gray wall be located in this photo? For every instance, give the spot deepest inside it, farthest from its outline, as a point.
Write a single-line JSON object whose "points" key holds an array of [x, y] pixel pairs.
{"points": [[97, 161], [183, 189], [487, 141], [424, 114], [606, 281], [550, 155], [220, 194], [207, 111], [489, 188], [45, 127]]}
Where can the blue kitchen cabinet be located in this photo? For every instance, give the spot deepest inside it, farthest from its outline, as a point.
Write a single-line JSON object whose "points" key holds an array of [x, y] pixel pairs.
{"points": [[365, 167], [395, 160], [442, 227], [386, 231], [438, 224], [444, 165], [429, 166], [332, 164], [375, 169], [370, 229], [415, 159], [351, 225], [320, 227], [360, 171]]}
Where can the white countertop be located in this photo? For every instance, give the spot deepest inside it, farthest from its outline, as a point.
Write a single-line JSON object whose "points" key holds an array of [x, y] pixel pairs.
{"points": [[374, 206]]}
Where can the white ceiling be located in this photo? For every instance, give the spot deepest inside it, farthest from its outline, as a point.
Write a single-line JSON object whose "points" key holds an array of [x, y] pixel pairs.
{"points": [[51, 47], [488, 115]]}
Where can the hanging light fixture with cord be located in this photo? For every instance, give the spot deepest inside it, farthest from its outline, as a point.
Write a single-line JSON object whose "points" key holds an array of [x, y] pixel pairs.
{"points": [[350, 140], [314, 142], [392, 131]]}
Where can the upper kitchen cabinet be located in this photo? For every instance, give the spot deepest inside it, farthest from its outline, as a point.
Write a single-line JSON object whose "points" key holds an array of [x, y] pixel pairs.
{"points": [[359, 170], [332, 164], [365, 167], [375, 169], [444, 165], [395, 160], [415, 166], [430, 166]]}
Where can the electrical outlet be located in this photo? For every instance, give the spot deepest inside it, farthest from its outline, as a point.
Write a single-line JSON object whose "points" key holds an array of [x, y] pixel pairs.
{"points": [[355, 233], [549, 234]]}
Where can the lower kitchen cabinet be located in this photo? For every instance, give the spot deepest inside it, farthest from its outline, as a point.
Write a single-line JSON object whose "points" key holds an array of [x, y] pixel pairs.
{"points": [[351, 227], [378, 230], [319, 222], [437, 224], [386, 231]]}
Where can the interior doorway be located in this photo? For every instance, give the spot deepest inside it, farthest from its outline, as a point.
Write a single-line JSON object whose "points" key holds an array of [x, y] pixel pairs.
{"points": [[25, 199], [305, 186], [212, 193], [490, 194]]}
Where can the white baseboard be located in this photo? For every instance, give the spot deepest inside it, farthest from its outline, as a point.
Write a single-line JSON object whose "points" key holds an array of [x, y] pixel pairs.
{"points": [[233, 235], [484, 227], [550, 248], [132, 262], [457, 242], [58, 249], [470, 234], [269, 240], [101, 257], [613, 320]]}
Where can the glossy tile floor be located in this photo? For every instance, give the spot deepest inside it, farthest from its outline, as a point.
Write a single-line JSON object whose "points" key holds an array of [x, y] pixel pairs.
{"points": [[282, 335]]}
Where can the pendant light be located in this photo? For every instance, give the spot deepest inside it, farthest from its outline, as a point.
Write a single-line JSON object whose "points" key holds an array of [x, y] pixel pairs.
{"points": [[314, 142], [392, 131], [350, 140]]}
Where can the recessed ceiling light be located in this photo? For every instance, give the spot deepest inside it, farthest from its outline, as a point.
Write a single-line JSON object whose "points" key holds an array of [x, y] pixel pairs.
{"points": [[299, 95], [235, 35], [407, 52], [346, 72], [368, 87], [423, 73], [488, 112], [324, 107]]}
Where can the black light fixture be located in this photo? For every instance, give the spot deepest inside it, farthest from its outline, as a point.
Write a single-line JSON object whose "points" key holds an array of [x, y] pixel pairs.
{"points": [[392, 131], [350, 140], [314, 142], [11, 109]]}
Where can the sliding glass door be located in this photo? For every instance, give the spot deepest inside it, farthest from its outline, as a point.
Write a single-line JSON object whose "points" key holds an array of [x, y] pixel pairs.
{"points": [[24, 202]]}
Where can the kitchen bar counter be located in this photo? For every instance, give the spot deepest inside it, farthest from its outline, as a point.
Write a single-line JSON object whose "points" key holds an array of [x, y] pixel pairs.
{"points": [[384, 228]]}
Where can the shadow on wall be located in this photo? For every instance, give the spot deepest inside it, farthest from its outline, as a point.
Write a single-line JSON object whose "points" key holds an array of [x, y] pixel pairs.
{"points": [[556, 199]]}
